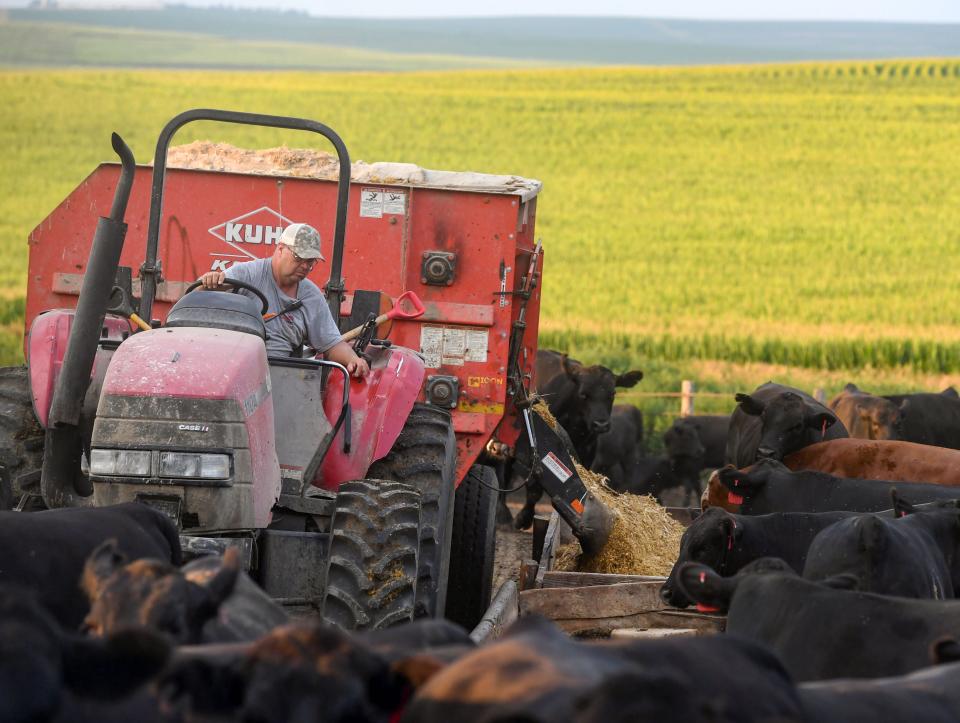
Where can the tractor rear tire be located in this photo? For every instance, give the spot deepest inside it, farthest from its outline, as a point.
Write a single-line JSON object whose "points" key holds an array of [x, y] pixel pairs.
{"points": [[473, 547], [425, 456], [21, 436], [371, 579]]}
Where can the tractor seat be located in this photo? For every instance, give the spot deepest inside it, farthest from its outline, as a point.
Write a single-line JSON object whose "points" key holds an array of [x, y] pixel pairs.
{"points": [[218, 310]]}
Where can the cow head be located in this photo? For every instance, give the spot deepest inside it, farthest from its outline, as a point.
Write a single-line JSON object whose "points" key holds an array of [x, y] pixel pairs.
{"points": [[742, 485], [705, 587], [308, 672], [682, 439], [38, 661], [153, 594], [714, 593], [787, 422], [592, 392], [878, 418], [707, 541]]}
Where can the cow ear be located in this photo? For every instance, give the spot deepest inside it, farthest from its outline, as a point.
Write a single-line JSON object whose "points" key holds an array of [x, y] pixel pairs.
{"points": [[102, 563], [846, 581], [628, 379], [221, 585], [749, 405], [901, 507], [731, 527], [950, 392], [741, 481], [851, 388], [872, 533], [114, 666], [945, 650], [821, 419], [702, 584], [570, 366]]}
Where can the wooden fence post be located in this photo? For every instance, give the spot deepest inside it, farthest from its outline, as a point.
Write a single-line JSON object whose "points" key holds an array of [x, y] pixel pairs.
{"points": [[686, 398]]}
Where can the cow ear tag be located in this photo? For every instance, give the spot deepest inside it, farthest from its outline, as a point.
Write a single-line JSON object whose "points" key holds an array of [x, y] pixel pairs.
{"points": [[734, 499], [703, 607]]}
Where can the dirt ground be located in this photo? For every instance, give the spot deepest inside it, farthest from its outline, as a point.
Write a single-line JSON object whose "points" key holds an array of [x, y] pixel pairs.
{"points": [[513, 547]]}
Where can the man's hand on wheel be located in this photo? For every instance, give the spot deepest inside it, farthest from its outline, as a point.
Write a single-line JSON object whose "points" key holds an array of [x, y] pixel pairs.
{"points": [[213, 280]]}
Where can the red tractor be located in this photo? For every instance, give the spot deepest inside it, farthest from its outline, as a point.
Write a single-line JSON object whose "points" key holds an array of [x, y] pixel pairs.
{"points": [[365, 500]]}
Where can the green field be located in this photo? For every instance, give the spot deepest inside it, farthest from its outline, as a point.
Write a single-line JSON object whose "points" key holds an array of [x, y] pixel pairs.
{"points": [[805, 214], [62, 44]]}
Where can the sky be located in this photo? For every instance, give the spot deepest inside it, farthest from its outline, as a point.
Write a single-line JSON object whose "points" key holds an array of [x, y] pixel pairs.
{"points": [[935, 11]]}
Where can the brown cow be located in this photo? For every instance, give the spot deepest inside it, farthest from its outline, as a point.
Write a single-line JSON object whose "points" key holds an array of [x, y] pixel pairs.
{"points": [[892, 461], [867, 416]]}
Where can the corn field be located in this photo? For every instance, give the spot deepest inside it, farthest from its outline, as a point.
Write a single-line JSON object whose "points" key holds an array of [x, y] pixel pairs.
{"points": [[805, 215]]}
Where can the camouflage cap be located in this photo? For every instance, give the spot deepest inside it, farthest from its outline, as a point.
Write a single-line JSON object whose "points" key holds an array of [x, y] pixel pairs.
{"points": [[303, 239]]}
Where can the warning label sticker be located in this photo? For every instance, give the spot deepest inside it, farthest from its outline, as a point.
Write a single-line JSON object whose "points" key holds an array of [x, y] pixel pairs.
{"points": [[477, 340], [452, 346], [431, 345], [394, 202], [553, 463], [371, 202]]}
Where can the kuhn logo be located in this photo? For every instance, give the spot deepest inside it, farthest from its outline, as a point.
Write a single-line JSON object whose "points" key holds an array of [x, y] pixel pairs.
{"points": [[255, 229]]}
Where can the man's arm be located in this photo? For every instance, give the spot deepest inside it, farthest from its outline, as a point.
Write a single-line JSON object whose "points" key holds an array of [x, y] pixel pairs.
{"points": [[343, 353]]}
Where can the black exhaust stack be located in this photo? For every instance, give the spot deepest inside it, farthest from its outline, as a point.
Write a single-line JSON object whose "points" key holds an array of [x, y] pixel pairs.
{"points": [[61, 480]]}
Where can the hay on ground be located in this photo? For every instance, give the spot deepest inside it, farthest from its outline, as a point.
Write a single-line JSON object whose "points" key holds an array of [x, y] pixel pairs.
{"points": [[645, 539]]}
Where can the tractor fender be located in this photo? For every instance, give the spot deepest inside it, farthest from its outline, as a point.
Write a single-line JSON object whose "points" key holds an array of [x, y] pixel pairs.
{"points": [[46, 345], [379, 406]]}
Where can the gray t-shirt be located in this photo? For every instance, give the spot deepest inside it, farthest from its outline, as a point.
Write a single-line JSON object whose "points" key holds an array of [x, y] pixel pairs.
{"points": [[310, 324]]}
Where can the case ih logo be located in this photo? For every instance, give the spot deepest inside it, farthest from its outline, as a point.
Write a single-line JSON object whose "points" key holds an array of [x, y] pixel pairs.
{"points": [[248, 232]]}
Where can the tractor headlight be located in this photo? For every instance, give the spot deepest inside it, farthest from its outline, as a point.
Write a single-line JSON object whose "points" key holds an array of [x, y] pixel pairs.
{"points": [[192, 464], [125, 462]]}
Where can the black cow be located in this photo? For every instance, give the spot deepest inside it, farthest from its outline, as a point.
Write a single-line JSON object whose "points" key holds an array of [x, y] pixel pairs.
{"points": [[652, 476], [931, 695], [930, 418], [771, 487], [46, 551], [536, 672], [728, 542], [311, 672], [580, 398], [208, 600], [910, 556], [620, 448], [776, 420], [43, 668], [693, 444], [818, 629]]}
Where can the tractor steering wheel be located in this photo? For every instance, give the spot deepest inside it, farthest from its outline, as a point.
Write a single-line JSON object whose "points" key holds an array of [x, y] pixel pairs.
{"points": [[237, 285]]}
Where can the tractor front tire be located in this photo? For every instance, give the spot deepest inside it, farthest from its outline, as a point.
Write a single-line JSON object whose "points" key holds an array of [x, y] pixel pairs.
{"points": [[425, 456], [21, 436], [371, 579], [473, 547]]}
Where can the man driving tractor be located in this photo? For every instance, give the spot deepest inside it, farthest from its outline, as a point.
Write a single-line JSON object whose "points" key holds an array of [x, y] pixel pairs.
{"points": [[297, 310]]}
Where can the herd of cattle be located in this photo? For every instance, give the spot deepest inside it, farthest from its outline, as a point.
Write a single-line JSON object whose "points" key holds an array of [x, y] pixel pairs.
{"points": [[835, 559]]}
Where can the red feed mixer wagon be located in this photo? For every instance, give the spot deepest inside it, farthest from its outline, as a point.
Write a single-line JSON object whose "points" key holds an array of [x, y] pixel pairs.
{"points": [[369, 501]]}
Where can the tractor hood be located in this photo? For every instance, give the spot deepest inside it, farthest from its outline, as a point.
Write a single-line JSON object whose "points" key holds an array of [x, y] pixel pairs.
{"points": [[191, 362]]}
